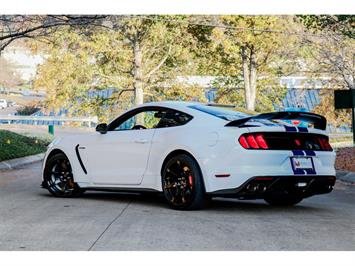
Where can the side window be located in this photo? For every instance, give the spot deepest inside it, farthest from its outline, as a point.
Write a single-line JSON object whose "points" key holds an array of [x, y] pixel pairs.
{"points": [[151, 119], [142, 120]]}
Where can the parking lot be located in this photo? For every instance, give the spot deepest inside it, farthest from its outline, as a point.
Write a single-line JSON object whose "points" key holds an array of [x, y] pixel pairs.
{"points": [[31, 219]]}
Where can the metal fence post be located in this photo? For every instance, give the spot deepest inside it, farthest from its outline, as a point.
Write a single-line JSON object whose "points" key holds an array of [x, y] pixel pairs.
{"points": [[51, 129]]}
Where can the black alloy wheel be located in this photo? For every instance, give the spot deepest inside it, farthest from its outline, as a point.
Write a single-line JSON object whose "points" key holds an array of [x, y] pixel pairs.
{"points": [[58, 177], [183, 184]]}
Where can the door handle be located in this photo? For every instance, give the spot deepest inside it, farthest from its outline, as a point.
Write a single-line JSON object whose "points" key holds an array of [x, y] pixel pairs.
{"points": [[141, 141]]}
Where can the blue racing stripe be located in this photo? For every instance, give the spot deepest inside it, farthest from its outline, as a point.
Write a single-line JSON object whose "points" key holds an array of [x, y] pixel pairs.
{"points": [[298, 172], [310, 153], [290, 129], [302, 129], [297, 152], [310, 171]]}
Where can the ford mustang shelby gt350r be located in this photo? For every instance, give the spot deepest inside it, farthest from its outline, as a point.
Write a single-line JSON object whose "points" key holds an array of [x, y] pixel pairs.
{"points": [[192, 152]]}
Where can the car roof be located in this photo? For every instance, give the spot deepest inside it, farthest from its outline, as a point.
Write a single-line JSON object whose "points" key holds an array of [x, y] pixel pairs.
{"points": [[185, 106], [177, 105], [172, 103]]}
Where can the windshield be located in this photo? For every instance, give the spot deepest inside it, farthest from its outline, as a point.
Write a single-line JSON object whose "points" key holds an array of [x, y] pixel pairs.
{"points": [[220, 112]]}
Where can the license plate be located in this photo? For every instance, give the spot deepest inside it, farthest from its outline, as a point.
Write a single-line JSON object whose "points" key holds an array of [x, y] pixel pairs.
{"points": [[302, 163]]}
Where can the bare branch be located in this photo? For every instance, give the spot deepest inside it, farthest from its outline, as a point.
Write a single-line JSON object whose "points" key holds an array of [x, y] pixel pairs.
{"points": [[13, 27], [161, 63]]}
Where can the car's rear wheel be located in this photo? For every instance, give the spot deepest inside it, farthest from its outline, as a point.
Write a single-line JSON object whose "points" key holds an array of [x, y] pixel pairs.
{"points": [[58, 177], [283, 200], [182, 183]]}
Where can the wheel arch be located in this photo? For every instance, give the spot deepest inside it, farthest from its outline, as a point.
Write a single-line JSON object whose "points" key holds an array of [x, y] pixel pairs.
{"points": [[50, 154], [55, 151], [70, 153], [182, 151]]}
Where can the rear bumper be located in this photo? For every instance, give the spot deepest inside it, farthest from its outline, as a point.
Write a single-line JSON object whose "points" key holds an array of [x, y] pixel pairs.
{"points": [[261, 186], [244, 164]]}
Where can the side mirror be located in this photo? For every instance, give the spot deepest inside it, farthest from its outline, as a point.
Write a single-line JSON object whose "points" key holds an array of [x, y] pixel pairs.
{"points": [[102, 128]]}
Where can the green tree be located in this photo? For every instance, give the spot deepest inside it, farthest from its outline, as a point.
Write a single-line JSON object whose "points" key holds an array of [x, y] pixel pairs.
{"points": [[143, 55], [339, 24], [330, 55], [252, 58], [156, 51]]}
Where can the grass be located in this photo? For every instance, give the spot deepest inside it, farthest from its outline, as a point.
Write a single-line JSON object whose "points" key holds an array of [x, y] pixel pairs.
{"points": [[13, 145]]}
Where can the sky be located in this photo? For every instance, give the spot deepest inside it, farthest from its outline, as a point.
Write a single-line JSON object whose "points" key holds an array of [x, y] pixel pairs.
{"points": [[26, 63]]}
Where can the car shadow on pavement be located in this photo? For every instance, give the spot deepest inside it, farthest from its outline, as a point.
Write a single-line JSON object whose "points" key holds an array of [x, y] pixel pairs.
{"points": [[217, 204], [222, 204], [115, 196]]}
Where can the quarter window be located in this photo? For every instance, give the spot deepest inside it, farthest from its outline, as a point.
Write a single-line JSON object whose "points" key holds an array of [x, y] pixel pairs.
{"points": [[172, 118]]}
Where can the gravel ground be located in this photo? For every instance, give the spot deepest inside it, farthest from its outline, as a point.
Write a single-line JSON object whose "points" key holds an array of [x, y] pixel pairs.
{"points": [[345, 159]]}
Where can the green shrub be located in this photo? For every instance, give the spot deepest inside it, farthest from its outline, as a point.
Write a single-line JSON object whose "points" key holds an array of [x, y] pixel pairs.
{"points": [[28, 109], [13, 145]]}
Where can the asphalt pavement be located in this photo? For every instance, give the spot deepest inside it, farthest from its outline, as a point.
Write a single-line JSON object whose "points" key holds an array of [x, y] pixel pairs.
{"points": [[31, 219]]}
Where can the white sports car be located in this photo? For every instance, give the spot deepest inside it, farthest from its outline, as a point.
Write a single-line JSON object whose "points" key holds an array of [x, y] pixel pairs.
{"points": [[192, 152]]}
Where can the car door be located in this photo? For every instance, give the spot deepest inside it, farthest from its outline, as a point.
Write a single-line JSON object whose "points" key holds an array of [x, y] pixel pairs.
{"points": [[120, 156]]}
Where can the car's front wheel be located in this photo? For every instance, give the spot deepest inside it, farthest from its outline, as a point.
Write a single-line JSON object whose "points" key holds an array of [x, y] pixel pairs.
{"points": [[58, 177], [182, 183]]}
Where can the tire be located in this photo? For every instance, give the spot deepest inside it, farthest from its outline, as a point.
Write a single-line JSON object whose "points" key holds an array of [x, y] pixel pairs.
{"points": [[182, 183], [58, 177], [283, 201]]}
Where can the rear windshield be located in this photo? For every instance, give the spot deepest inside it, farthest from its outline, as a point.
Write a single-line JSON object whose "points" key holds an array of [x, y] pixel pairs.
{"points": [[220, 112]]}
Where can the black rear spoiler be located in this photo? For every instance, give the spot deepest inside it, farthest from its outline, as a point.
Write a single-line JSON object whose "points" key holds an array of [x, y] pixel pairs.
{"points": [[318, 121]]}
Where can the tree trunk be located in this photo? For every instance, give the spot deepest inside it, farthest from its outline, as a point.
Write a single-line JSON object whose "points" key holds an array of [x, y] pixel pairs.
{"points": [[249, 76], [252, 80], [138, 75]]}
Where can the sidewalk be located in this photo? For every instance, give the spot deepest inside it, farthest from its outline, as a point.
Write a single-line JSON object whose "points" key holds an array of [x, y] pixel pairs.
{"points": [[5, 165], [346, 176]]}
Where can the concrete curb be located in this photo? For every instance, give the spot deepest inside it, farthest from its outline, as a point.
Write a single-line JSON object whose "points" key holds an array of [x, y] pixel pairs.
{"points": [[346, 176], [10, 164]]}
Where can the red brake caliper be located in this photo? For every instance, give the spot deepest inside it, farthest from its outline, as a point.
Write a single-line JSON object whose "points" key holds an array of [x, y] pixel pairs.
{"points": [[190, 180]]}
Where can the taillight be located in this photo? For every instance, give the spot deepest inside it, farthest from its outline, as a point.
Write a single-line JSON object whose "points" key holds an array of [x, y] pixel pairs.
{"points": [[298, 142], [243, 142], [324, 144], [261, 141], [284, 141], [253, 141]]}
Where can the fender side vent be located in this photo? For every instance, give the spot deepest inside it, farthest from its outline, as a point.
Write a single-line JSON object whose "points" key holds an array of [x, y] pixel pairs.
{"points": [[79, 159]]}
